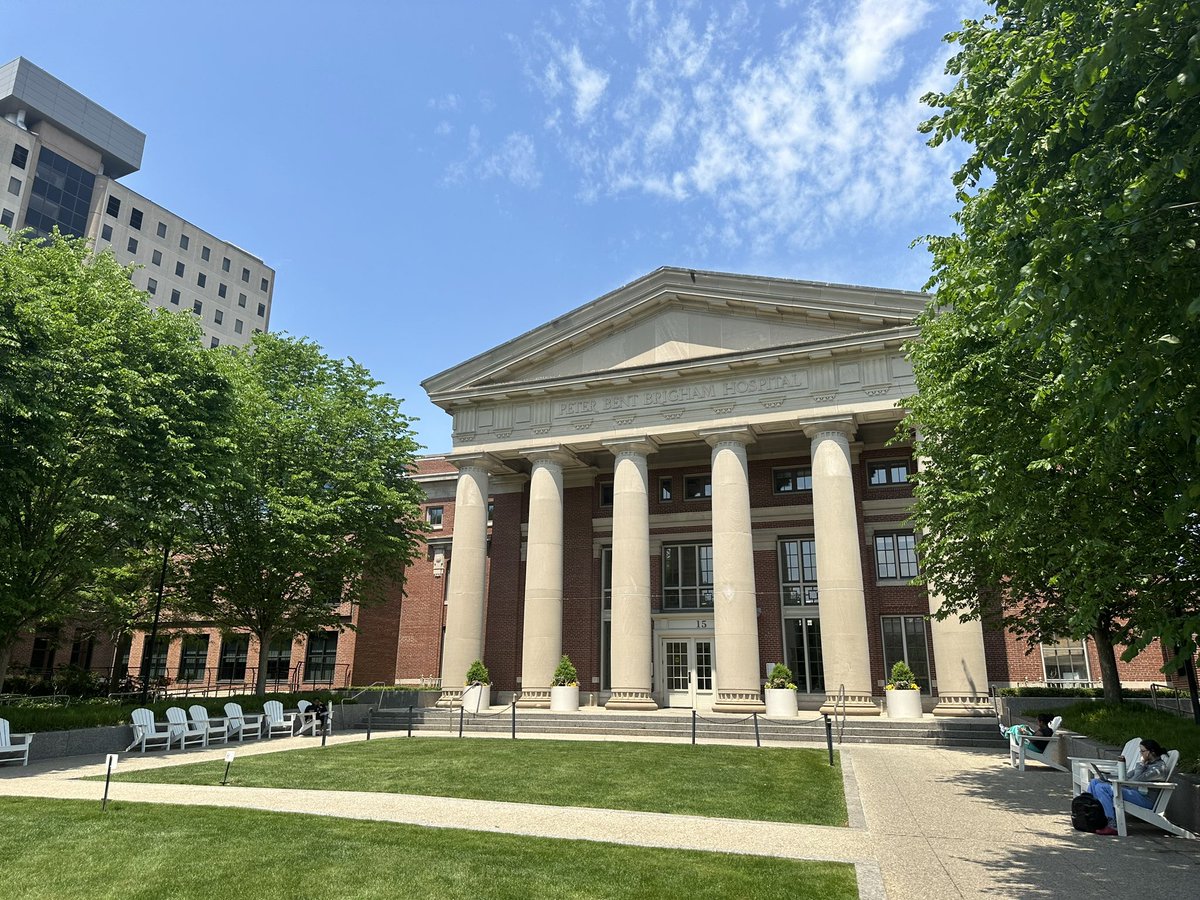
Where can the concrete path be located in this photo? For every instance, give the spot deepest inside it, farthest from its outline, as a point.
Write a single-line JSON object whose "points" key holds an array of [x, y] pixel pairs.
{"points": [[924, 823]]}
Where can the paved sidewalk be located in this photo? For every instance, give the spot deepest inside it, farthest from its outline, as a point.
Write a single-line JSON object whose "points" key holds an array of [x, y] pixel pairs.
{"points": [[924, 823]]}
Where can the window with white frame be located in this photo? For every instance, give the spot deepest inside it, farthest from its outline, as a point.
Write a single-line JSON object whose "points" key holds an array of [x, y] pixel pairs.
{"points": [[892, 471], [904, 640], [433, 515], [1065, 661], [896, 556], [687, 576], [798, 571]]}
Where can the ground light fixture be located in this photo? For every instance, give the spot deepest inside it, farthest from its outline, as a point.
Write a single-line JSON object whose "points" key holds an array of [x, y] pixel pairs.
{"points": [[229, 754]]}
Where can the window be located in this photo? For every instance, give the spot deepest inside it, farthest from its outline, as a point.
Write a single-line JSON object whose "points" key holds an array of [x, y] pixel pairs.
{"points": [[792, 481], [197, 307], [606, 493], [896, 556], [205, 253], [237, 326], [218, 317], [184, 240], [241, 299], [20, 156], [279, 657], [156, 257], [82, 649], [154, 656], [222, 290], [41, 657], [161, 231], [132, 245], [321, 656], [687, 576], [201, 279], [262, 285], [60, 196], [135, 219], [1065, 661], [697, 487], [262, 310], [14, 186], [798, 571], [106, 233], [246, 275], [193, 657], [6, 219], [232, 665], [802, 646], [114, 207], [904, 640], [175, 297], [179, 270], [606, 576], [491, 504], [664, 489], [433, 515], [889, 472], [214, 343], [151, 286], [225, 264]]}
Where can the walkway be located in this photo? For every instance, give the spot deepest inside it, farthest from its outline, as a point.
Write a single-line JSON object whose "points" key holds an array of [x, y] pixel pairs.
{"points": [[924, 823]]}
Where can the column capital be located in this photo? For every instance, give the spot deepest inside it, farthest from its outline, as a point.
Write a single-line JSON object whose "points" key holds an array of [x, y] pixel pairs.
{"points": [[736, 434], [838, 424], [485, 461], [642, 445], [552, 453]]}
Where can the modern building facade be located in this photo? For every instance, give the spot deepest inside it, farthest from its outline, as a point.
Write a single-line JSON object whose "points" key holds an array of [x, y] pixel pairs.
{"points": [[61, 155]]}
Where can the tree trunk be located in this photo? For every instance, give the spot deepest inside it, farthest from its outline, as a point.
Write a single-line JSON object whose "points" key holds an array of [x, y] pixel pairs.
{"points": [[5, 652], [1108, 664], [1189, 669], [260, 681]]}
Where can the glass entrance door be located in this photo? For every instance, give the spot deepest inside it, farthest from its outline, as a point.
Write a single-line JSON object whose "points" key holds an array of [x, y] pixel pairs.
{"points": [[688, 665], [802, 639]]}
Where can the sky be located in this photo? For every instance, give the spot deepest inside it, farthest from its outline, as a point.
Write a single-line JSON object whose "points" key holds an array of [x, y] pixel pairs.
{"points": [[432, 179]]}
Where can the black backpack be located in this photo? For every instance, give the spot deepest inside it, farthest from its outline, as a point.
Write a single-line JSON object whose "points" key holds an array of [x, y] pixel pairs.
{"points": [[1087, 814]]}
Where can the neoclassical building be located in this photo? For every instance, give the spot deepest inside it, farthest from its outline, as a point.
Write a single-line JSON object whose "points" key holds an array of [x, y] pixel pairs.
{"points": [[699, 481]]}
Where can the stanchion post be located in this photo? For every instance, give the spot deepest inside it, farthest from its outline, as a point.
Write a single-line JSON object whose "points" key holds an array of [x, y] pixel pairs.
{"points": [[112, 761], [693, 728], [410, 718], [462, 711], [829, 736], [757, 740], [369, 723], [514, 720]]}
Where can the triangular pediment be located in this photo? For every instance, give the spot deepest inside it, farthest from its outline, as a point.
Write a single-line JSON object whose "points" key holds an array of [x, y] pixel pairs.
{"points": [[681, 316]]}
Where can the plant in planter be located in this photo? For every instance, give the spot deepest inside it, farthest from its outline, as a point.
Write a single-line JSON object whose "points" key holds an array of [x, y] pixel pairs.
{"points": [[903, 693], [477, 695], [564, 690], [780, 692], [478, 673]]}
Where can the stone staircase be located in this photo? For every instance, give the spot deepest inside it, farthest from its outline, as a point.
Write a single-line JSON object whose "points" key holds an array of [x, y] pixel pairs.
{"points": [[807, 728]]}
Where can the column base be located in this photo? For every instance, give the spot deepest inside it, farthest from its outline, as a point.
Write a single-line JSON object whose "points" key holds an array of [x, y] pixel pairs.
{"points": [[851, 704], [744, 702], [964, 705], [534, 698], [631, 699], [450, 698]]}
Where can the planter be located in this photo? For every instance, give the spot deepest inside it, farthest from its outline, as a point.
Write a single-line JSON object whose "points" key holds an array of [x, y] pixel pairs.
{"points": [[904, 704], [781, 702], [477, 698], [564, 699]]}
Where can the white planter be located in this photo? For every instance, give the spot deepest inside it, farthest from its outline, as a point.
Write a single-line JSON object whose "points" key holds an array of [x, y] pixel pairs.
{"points": [[781, 702], [903, 704], [564, 699], [477, 698]]}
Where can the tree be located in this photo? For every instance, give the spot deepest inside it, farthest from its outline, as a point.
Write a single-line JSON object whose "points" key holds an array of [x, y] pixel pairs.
{"points": [[1069, 322], [109, 411], [318, 508]]}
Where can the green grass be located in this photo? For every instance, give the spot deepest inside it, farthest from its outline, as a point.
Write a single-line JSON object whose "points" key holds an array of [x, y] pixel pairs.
{"points": [[61, 848], [1117, 724], [767, 784]]}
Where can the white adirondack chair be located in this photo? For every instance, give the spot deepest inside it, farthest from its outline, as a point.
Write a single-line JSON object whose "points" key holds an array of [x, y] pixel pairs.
{"points": [[1085, 768], [216, 729], [308, 720], [242, 725], [147, 733], [1021, 751], [279, 723], [1155, 814], [12, 749], [182, 731]]}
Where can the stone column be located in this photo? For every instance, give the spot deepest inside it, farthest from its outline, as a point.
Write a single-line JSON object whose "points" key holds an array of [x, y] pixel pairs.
{"points": [[844, 645], [958, 657], [542, 642], [735, 602], [468, 572], [630, 652]]}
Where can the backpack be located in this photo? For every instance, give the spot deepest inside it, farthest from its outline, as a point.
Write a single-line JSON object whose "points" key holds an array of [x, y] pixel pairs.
{"points": [[1087, 814]]}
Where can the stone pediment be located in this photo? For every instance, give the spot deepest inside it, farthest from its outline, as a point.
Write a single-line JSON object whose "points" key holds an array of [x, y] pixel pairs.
{"points": [[679, 316]]}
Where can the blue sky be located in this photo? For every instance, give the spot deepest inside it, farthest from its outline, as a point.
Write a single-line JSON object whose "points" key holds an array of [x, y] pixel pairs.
{"points": [[432, 179]]}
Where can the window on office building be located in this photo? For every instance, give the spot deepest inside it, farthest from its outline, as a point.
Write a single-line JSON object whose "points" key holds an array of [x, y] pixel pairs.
{"points": [[132, 245], [798, 571], [197, 307], [156, 257], [1065, 661], [225, 264], [161, 231], [246, 275], [201, 279], [433, 515], [606, 493], [114, 207], [279, 657], [14, 186], [262, 310], [106, 233], [154, 656], [320, 656], [193, 657], [60, 196], [687, 576], [6, 219], [151, 286], [697, 487], [222, 290], [665, 489], [184, 240], [135, 219], [888, 472], [215, 342], [792, 480], [232, 665], [263, 285], [237, 326], [896, 556], [175, 297], [218, 317], [904, 640], [179, 269], [205, 253], [241, 299], [20, 156]]}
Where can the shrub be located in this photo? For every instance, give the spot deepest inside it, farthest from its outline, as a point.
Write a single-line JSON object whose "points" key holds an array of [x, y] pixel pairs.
{"points": [[565, 675], [780, 678], [478, 673], [903, 678]]}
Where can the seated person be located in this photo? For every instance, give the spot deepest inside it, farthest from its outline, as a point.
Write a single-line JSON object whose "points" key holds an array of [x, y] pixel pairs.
{"points": [[1025, 732], [1151, 767]]}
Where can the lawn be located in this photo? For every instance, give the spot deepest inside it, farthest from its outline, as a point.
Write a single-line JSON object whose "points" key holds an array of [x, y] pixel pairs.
{"points": [[766, 784], [1117, 724], [59, 848]]}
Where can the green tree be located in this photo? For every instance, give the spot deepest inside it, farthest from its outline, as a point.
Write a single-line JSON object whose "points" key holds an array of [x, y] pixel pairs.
{"points": [[318, 508], [110, 411]]}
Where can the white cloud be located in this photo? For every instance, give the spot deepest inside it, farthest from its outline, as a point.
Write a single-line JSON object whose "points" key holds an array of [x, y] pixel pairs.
{"points": [[587, 83], [515, 161]]}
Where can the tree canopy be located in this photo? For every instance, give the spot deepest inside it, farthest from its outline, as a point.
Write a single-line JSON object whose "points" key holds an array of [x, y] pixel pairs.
{"points": [[1058, 372]]}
